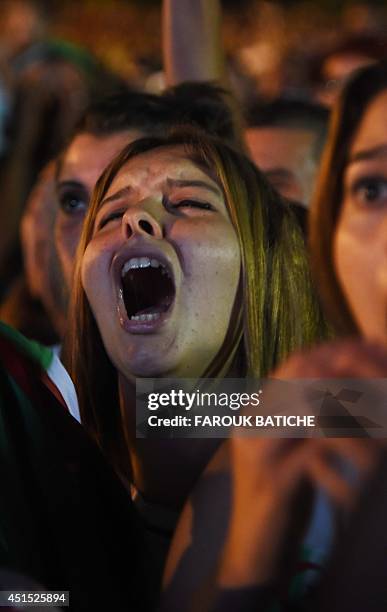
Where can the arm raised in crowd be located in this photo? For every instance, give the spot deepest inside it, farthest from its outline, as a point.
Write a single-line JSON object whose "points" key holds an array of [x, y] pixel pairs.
{"points": [[192, 45]]}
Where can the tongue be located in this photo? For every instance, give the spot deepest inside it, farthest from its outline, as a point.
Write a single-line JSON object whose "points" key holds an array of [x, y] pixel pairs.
{"points": [[157, 308]]}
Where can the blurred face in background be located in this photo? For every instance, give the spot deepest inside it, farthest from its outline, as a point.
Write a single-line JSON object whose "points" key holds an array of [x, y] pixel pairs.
{"points": [[360, 244], [21, 25], [42, 270], [287, 157], [336, 70], [80, 167]]}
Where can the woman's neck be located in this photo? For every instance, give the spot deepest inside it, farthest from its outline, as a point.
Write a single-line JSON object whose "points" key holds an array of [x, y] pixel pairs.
{"points": [[164, 470]]}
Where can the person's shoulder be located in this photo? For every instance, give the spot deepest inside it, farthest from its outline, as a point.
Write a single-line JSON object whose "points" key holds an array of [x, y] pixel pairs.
{"points": [[11, 338]]}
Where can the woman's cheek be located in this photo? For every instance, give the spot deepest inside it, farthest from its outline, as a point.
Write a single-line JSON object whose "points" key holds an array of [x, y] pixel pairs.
{"points": [[94, 268], [357, 261]]}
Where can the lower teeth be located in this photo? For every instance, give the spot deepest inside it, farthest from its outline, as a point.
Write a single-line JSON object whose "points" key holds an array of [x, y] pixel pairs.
{"points": [[145, 317]]}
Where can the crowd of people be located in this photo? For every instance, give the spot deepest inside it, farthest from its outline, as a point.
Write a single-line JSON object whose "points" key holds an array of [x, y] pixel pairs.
{"points": [[195, 234]]}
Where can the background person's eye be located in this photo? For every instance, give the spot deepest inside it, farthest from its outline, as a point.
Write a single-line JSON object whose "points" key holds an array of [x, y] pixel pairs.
{"points": [[71, 202], [370, 190]]}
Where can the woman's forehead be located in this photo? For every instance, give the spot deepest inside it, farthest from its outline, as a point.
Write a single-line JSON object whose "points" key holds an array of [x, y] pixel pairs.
{"points": [[369, 142], [156, 166], [372, 129]]}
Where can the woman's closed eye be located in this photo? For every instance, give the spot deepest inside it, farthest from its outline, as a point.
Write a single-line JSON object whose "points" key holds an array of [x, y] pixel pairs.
{"points": [[109, 218], [189, 203], [370, 191]]}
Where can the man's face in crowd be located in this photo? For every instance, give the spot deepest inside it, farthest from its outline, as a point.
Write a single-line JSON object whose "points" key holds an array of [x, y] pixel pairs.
{"points": [[82, 164], [336, 71], [286, 156]]}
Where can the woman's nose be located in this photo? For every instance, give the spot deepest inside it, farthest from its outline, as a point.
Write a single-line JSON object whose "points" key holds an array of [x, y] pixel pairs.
{"points": [[139, 221]]}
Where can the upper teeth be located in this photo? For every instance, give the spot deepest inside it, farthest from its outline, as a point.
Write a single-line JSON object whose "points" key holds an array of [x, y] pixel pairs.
{"points": [[142, 262]]}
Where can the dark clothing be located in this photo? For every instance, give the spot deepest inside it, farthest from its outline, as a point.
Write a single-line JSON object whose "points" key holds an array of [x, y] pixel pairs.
{"points": [[65, 519], [357, 577]]}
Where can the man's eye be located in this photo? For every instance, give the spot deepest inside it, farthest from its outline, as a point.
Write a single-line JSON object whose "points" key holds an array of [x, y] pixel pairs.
{"points": [[72, 203], [109, 218], [370, 191], [193, 204]]}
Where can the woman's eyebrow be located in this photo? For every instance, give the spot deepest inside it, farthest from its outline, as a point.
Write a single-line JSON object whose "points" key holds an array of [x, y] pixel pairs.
{"points": [[194, 183], [116, 196], [368, 154], [171, 183]]}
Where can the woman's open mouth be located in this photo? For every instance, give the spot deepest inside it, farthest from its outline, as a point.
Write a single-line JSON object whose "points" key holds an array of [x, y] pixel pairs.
{"points": [[148, 290]]}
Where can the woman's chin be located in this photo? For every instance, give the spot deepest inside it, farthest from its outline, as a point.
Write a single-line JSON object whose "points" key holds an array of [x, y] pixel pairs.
{"points": [[159, 369], [161, 357], [149, 368]]}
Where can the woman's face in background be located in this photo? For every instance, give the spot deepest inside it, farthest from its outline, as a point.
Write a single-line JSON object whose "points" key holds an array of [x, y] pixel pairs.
{"points": [[360, 243], [162, 268]]}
